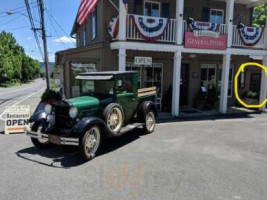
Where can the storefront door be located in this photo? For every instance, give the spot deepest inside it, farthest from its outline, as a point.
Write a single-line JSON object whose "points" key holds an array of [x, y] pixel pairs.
{"points": [[184, 84]]}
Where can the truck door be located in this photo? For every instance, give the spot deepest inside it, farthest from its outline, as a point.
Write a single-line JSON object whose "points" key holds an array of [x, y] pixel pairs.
{"points": [[127, 95]]}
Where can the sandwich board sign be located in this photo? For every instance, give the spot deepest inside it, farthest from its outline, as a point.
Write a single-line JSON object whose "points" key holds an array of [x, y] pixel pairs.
{"points": [[17, 119]]}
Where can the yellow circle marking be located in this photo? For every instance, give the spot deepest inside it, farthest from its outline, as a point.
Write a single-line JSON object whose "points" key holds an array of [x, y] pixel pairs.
{"points": [[242, 69]]}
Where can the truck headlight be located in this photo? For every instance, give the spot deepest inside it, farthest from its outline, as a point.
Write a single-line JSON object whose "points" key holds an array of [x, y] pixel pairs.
{"points": [[48, 109], [73, 112]]}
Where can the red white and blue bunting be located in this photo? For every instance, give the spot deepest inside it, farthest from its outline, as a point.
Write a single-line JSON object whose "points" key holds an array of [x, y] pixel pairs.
{"points": [[113, 27], [250, 36], [202, 26], [150, 28]]}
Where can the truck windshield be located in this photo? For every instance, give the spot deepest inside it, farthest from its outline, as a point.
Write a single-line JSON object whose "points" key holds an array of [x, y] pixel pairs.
{"points": [[97, 87]]}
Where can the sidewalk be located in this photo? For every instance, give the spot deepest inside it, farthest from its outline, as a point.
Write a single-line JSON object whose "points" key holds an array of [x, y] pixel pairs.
{"points": [[33, 101]]}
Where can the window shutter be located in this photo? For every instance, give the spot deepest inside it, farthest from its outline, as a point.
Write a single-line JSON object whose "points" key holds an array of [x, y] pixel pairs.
{"points": [[138, 5], [205, 14], [166, 10]]}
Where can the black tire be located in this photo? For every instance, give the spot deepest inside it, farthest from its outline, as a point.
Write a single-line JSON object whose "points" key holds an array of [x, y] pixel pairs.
{"points": [[36, 142], [85, 143], [149, 122], [106, 115]]}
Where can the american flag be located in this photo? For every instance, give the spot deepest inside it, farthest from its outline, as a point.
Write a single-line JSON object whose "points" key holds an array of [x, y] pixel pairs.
{"points": [[86, 8]]}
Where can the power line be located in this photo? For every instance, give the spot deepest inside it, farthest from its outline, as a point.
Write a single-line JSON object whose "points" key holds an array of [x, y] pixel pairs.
{"points": [[33, 28], [60, 26], [21, 8], [57, 33], [10, 21], [11, 29]]}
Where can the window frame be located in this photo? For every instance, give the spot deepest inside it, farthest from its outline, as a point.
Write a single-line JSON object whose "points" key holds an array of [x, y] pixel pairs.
{"points": [[84, 31], [152, 2], [94, 26], [220, 10]]}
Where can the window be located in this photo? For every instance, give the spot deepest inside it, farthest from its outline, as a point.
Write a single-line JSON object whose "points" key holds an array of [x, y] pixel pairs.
{"points": [[78, 39], [94, 25], [125, 85], [216, 16], [208, 74], [84, 36], [76, 69], [152, 9]]}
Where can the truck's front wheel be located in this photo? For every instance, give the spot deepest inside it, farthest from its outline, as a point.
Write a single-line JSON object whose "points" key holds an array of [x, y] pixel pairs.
{"points": [[40, 143], [150, 122], [90, 143]]}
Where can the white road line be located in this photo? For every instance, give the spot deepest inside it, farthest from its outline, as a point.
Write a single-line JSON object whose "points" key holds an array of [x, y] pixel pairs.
{"points": [[1, 116], [20, 89]]}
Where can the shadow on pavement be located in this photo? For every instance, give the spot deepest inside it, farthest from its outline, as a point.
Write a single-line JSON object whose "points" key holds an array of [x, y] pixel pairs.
{"points": [[67, 157], [211, 117]]}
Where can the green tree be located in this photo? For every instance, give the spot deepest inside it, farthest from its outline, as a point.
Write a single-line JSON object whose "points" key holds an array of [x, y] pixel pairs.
{"points": [[259, 15], [14, 63]]}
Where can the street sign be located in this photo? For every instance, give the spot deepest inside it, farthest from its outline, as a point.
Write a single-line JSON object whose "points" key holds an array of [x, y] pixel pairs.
{"points": [[143, 60], [17, 119]]}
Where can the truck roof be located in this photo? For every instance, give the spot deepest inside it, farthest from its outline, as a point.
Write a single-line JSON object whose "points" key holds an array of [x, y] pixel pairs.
{"points": [[106, 75]]}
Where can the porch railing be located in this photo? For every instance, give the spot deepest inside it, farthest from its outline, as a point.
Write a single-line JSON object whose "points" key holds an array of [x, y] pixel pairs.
{"points": [[237, 42], [169, 34]]}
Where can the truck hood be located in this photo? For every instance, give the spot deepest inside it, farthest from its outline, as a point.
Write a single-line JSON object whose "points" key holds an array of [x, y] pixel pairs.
{"points": [[84, 102]]}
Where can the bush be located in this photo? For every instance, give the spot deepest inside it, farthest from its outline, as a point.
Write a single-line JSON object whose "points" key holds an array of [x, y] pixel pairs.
{"points": [[50, 96]]}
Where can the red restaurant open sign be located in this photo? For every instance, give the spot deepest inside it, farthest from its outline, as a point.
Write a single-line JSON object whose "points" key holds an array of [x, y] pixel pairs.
{"points": [[205, 42]]}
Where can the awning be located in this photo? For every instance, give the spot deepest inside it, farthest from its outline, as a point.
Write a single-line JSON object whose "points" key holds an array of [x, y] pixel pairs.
{"points": [[94, 78], [85, 10]]}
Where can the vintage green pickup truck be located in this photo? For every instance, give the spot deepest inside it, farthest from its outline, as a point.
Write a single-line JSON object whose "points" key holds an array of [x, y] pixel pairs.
{"points": [[109, 105]]}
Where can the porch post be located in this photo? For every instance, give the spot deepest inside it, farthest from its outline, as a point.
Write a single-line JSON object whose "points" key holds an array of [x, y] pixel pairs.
{"points": [[263, 91], [180, 21], [225, 83], [122, 21], [176, 84], [229, 21], [122, 59]]}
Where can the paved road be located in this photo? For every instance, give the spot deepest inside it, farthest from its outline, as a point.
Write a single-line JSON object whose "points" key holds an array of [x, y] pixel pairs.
{"points": [[202, 160], [14, 95]]}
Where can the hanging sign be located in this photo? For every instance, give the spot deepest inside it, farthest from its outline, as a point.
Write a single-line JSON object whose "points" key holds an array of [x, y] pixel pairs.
{"points": [[143, 60], [205, 42], [17, 119]]}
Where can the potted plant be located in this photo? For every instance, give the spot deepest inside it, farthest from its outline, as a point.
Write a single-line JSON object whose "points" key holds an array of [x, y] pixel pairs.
{"points": [[251, 98]]}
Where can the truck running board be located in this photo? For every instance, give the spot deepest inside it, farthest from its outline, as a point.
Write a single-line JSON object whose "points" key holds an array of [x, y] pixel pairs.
{"points": [[130, 127]]}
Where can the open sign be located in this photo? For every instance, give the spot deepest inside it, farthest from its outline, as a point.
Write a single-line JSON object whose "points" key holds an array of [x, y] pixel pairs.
{"points": [[17, 119], [143, 60]]}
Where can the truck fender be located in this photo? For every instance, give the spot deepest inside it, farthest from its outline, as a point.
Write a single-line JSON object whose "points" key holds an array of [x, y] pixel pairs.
{"points": [[38, 116], [87, 122], [144, 107]]}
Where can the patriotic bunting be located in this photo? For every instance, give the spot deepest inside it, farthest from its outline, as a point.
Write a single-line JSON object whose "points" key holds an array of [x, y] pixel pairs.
{"points": [[150, 29], [200, 26], [113, 27], [250, 36]]}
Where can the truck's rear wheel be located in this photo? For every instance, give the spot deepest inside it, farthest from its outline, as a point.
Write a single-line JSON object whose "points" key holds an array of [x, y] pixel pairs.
{"points": [[113, 115], [150, 122], [90, 143], [40, 143]]}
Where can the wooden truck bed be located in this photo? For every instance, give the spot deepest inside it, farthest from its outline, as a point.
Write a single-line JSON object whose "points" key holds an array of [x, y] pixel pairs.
{"points": [[147, 94]]}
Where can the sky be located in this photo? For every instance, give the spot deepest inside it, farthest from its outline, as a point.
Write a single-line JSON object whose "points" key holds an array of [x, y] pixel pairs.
{"points": [[62, 12]]}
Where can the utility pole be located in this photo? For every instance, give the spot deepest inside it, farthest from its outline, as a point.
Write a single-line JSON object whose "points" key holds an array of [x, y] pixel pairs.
{"points": [[41, 4]]}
